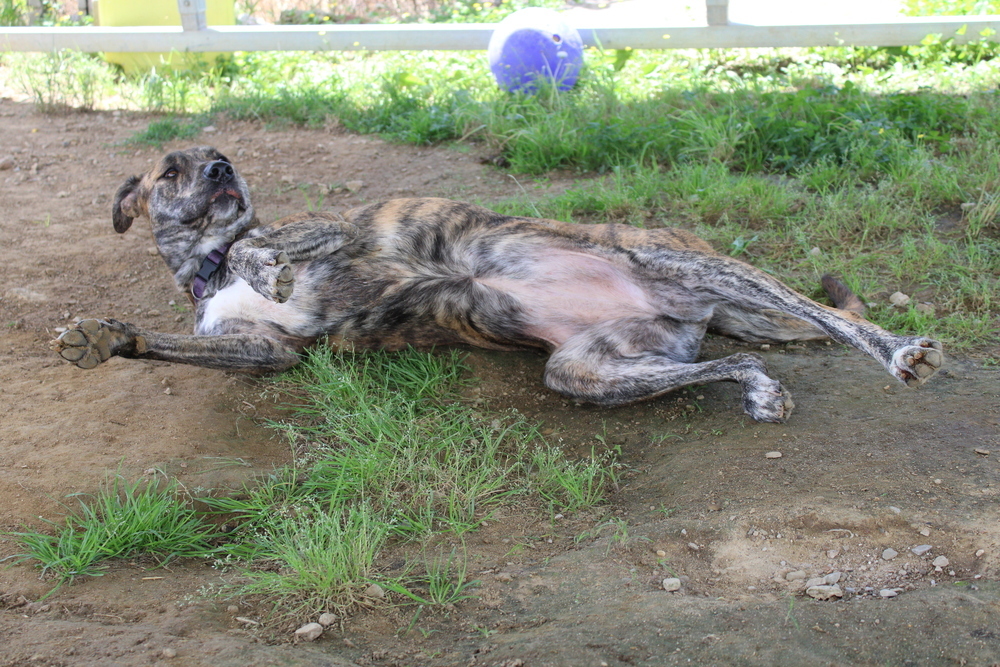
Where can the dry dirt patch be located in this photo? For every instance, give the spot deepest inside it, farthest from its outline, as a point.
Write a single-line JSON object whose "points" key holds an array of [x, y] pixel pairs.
{"points": [[866, 464]]}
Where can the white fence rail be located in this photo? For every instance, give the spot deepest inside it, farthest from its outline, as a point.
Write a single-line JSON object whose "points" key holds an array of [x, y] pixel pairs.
{"points": [[717, 33]]}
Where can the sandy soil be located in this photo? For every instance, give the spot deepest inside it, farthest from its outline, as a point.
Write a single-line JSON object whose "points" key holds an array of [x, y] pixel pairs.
{"points": [[866, 464]]}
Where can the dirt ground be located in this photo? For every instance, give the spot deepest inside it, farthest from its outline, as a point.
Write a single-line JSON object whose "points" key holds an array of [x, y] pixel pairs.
{"points": [[866, 465]]}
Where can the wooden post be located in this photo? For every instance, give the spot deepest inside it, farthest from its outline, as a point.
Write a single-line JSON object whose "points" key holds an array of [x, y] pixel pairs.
{"points": [[192, 14]]}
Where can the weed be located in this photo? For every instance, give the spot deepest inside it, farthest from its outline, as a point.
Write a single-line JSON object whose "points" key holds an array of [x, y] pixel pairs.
{"points": [[123, 520], [444, 582]]}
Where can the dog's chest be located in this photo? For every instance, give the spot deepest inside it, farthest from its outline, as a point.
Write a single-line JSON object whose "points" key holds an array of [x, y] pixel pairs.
{"points": [[238, 302]]}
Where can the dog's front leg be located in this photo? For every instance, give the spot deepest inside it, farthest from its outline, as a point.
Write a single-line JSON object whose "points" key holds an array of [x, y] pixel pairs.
{"points": [[94, 341], [265, 261]]}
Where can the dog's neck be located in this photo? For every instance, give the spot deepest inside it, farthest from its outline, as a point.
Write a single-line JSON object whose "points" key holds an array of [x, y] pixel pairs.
{"points": [[192, 275]]}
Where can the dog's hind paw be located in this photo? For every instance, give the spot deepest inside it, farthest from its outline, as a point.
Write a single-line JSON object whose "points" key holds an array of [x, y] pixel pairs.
{"points": [[767, 401], [914, 364], [92, 342]]}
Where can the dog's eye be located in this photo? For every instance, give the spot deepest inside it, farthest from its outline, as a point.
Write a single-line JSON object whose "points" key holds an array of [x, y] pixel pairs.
{"points": [[170, 173]]}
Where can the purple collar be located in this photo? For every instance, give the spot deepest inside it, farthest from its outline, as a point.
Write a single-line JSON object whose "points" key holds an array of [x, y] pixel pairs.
{"points": [[208, 268]]}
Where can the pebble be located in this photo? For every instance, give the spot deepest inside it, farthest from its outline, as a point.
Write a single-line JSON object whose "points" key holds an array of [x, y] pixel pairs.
{"points": [[208, 128], [832, 578], [982, 452], [661, 553], [168, 653], [895, 510], [6, 162], [693, 547], [773, 455], [922, 549], [374, 591], [671, 584], [940, 561], [926, 532], [327, 619], [795, 575], [832, 553], [354, 186], [980, 553], [309, 632], [816, 581], [232, 609], [889, 592], [889, 554], [899, 299], [825, 592]]}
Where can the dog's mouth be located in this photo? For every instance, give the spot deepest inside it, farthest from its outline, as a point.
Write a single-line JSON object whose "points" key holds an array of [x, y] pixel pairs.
{"points": [[228, 192]]}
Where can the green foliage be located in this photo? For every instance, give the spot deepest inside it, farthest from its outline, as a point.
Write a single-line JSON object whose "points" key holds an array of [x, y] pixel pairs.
{"points": [[121, 521], [13, 12], [62, 80], [161, 131]]}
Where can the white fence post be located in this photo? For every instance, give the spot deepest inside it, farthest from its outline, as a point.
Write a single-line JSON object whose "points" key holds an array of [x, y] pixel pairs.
{"points": [[717, 12], [192, 14]]}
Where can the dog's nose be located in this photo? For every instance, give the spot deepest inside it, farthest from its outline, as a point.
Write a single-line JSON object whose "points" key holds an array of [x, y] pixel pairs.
{"points": [[219, 171]]}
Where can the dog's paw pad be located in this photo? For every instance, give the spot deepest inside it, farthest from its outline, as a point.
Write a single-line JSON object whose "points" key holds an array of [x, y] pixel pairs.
{"points": [[86, 345], [914, 364]]}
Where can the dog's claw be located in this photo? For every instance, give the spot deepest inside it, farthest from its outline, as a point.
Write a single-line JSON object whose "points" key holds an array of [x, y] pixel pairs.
{"points": [[92, 342]]}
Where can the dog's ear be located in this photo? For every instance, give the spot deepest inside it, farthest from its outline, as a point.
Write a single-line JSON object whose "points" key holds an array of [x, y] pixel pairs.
{"points": [[125, 208]]}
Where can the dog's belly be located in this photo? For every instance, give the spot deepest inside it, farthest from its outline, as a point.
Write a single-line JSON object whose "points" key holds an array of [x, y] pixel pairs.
{"points": [[239, 302], [563, 292]]}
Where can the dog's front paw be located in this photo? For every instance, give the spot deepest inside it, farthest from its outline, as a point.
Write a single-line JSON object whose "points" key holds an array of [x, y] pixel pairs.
{"points": [[767, 401], [93, 341], [273, 277], [915, 363]]}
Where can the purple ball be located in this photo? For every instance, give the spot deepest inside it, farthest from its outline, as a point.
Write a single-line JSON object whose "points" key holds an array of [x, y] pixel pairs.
{"points": [[533, 44]]}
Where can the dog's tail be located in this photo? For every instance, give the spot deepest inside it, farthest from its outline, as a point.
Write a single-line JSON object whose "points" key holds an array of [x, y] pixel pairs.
{"points": [[842, 296]]}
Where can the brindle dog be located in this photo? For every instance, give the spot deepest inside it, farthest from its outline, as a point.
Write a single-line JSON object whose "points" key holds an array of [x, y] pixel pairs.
{"points": [[622, 310]]}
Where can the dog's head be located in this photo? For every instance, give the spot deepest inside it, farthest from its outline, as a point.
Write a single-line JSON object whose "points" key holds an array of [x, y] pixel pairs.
{"points": [[196, 202]]}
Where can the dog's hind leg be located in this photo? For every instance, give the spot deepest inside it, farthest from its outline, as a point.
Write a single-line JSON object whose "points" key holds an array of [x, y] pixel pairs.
{"points": [[729, 283], [265, 261], [92, 342], [627, 360]]}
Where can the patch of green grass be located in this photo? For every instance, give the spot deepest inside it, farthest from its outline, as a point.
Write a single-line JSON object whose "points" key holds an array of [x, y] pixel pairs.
{"points": [[444, 582], [123, 520], [165, 130]]}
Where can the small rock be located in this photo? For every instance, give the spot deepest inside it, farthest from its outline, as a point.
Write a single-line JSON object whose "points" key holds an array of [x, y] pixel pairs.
{"points": [[889, 554], [982, 452], [309, 632], [773, 455], [926, 532], [824, 592], [354, 186], [168, 653], [327, 619], [899, 299], [208, 128], [940, 561], [671, 584], [232, 609], [6, 162], [693, 547], [922, 549], [795, 575], [152, 251], [661, 553], [832, 578], [374, 591], [894, 510], [888, 592], [816, 581], [925, 308], [504, 576], [832, 553], [815, 252], [980, 553]]}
